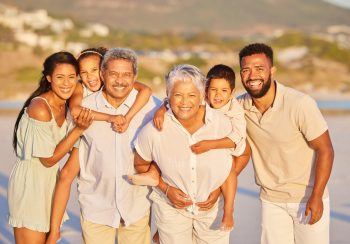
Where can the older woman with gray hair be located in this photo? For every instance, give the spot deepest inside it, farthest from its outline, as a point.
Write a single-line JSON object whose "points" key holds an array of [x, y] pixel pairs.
{"points": [[185, 202]]}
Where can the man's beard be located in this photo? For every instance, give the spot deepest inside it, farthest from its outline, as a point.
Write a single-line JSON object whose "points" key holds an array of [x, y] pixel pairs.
{"points": [[258, 94]]}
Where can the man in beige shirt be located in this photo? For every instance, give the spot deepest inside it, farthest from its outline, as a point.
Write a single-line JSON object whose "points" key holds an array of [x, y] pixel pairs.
{"points": [[291, 151]]}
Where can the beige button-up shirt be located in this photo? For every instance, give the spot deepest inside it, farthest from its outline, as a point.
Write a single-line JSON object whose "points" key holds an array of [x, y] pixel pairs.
{"points": [[195, 175], [106, 157]]}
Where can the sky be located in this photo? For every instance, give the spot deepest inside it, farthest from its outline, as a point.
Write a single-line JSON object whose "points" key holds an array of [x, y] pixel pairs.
{"points": [[341, 3]]}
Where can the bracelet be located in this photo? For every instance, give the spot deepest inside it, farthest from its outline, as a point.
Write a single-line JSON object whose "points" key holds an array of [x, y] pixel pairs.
{"points": [[166, 190]]}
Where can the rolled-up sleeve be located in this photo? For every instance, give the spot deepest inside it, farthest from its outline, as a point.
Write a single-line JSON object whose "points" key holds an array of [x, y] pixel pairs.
{"points": [[143, 142]]}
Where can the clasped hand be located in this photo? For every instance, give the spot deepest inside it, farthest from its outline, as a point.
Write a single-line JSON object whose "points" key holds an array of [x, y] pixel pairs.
{"points": [[119, 123], [181, 200]]}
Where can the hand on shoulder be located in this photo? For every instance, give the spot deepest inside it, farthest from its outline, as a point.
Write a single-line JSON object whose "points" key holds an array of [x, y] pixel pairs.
{"points": [[38, 109]]}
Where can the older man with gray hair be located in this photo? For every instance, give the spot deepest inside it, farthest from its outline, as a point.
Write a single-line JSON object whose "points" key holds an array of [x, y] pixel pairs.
{"points": [[185, 203], [109, 204]]}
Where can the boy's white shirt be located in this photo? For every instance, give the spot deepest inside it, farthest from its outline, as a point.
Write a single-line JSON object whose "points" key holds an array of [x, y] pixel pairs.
{"points": [[235, 112]]}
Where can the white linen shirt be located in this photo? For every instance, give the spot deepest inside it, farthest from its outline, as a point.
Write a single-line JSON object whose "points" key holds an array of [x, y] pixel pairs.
{"points": [[195, 175], [106, 157]]}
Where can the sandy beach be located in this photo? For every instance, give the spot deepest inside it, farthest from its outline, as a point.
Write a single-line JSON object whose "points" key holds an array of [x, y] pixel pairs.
{"points": [[247, 208]]}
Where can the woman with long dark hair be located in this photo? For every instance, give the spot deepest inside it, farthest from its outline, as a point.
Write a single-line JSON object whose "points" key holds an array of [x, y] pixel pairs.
{"points": [[40, 139]]}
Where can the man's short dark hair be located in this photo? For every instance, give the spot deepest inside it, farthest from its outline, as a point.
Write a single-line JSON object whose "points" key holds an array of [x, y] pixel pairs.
{"points": [[221, 71], [256, 48]]}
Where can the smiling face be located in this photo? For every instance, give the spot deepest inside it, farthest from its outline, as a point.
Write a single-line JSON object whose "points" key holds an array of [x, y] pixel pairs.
{"points": [[90, 72], [219, 93], [63, 80], [185, 100], [256, 73], [119, 79]]}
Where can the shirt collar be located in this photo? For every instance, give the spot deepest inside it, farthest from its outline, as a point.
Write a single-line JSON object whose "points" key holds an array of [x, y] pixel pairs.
{"points": [[101, 101], [278, 96], [86, 90], [226, 107], [209, 114]]}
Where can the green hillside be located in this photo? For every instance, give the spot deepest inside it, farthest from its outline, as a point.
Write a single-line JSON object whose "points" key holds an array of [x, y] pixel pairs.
{"points": [[226, 17]]}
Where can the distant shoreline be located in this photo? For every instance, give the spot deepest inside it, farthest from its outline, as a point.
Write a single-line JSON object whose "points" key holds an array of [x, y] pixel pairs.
{"points": [[336, 106]]}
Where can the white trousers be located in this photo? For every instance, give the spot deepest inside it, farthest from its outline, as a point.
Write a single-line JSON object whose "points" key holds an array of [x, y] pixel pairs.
{"points": [[286, 223], [182, 227]]}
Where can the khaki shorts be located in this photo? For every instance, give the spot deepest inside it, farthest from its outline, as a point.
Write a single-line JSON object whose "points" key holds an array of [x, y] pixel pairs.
{"points": [[137, 233]]}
